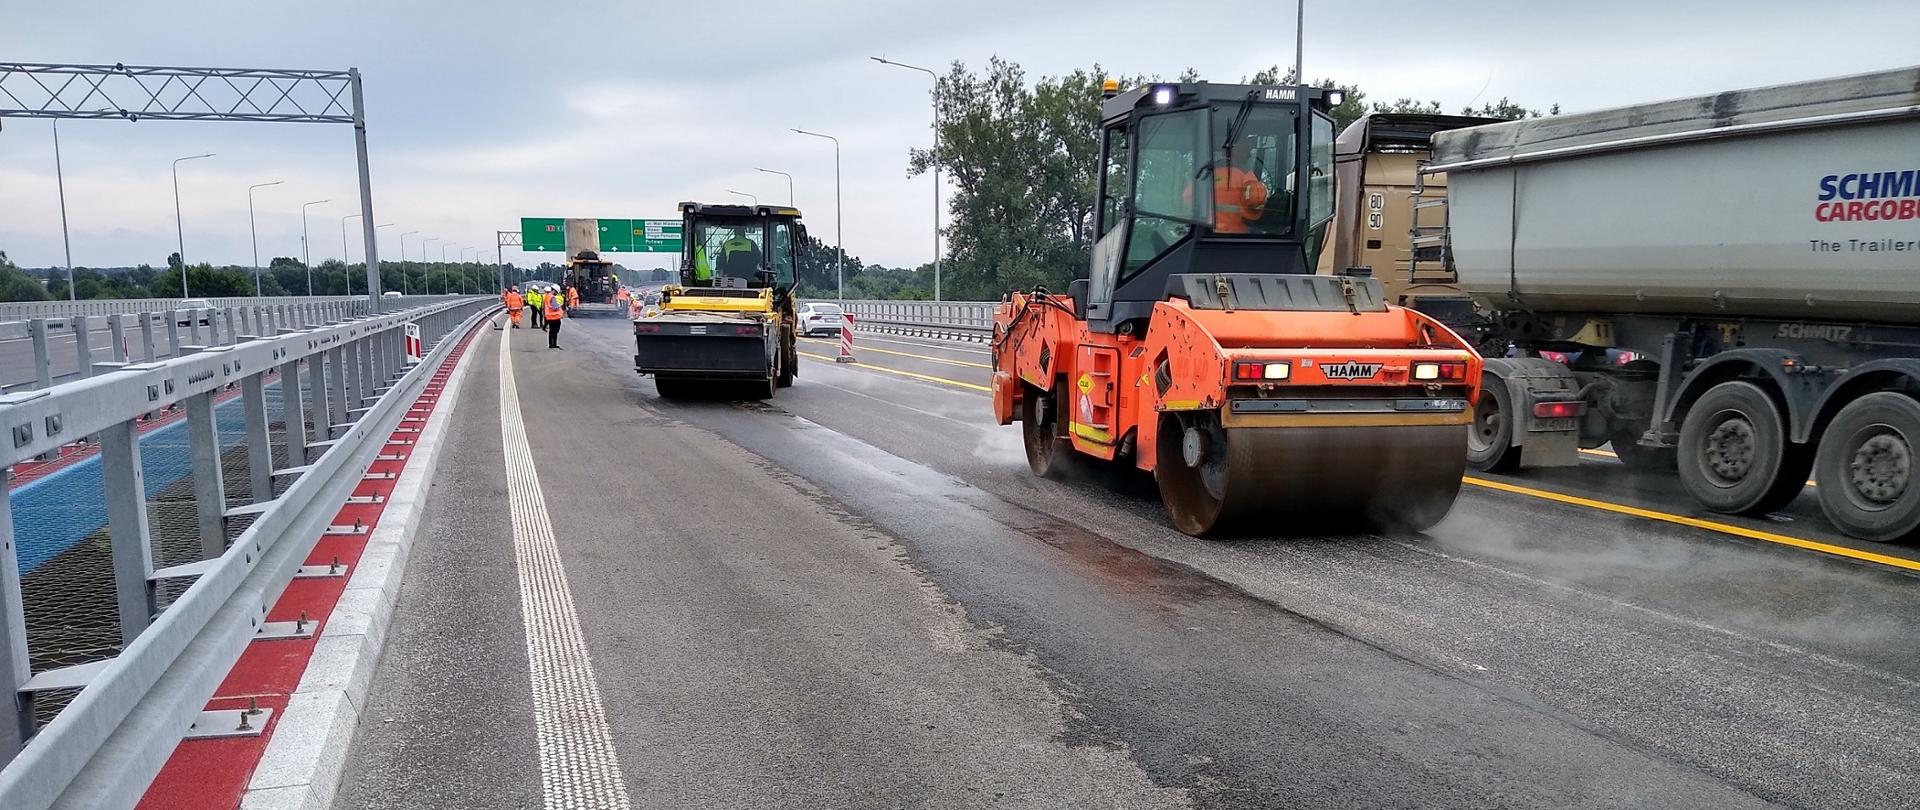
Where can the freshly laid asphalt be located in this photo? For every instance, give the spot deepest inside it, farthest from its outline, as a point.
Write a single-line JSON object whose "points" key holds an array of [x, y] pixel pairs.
{"points": [[857, 596]]}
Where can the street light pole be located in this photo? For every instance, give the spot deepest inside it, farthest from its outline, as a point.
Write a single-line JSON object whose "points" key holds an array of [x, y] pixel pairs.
{"points": [[60, 178], [789, 182], [343, 252], [405, 287], [426, 276], [444, 287], [1299, 38], [937, 158], [839, 232], [756, 200], [383, 280], [306, 250], [180, 230], [254, 231]]}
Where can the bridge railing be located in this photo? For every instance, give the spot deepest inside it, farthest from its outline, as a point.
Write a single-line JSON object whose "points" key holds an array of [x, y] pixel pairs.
{"points": [[23, 310], [956, 320], [57, 341], [341, 386]]}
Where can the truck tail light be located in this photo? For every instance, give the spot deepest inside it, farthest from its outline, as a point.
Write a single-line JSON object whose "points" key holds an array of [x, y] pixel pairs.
{"points": [[1558, 410]]}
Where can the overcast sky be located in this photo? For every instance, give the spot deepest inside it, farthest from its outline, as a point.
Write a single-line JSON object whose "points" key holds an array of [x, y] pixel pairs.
{"points": [[481, 111]]}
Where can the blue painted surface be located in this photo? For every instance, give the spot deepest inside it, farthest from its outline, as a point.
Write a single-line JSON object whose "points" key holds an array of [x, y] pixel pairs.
{"points": [[52, 514]]}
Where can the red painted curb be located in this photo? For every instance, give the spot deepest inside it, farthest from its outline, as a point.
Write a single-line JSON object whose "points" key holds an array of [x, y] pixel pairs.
{"points": [[214, 773]]}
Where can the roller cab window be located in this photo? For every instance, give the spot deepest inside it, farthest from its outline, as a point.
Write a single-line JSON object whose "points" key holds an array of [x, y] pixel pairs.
{"points": [[1170, 159], [728, 253], [1251, 170]]}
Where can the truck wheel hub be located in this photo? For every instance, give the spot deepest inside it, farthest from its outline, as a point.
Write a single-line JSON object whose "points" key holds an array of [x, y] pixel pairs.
{"points": [[1881, 468], [1486, 422], [1729, 450], [1193, 446]]}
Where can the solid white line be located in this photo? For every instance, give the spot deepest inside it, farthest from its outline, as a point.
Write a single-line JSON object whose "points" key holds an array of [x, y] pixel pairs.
{"points": [[579, 769]]}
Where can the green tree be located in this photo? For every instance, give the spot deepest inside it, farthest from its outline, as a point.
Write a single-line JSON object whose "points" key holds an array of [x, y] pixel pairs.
{"points": [[1021, 159], [17, 285]]}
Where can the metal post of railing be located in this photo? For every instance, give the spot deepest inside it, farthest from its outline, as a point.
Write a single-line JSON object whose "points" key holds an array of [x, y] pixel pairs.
{"points": [[336, 390], [126, 496], [253, 398], [293, 413], [316, 376], [83, 344], [356, 381], [42, 364], [15, 667], [366, 349], [233, 335], [209, 488], [117, 332], [150, 352], [193, 328], [173, 332]]}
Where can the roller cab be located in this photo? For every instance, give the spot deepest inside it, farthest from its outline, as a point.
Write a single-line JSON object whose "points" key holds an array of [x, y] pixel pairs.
{"points": [[1202, 348]]}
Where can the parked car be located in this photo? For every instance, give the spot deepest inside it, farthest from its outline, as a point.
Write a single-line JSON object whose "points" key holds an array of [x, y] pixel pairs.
{"points": [[190, 308], [820, 319]]}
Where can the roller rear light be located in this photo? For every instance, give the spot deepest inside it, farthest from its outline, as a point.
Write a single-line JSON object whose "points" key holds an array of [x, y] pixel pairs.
{"points": [[1440, 372], [1261, 371]]}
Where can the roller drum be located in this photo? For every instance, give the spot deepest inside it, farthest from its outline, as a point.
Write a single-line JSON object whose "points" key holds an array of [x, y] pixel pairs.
{"points": [[1291, 480]]}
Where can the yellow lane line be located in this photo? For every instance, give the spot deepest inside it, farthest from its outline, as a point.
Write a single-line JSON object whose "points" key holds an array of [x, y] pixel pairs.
{"points": [[1709, 525], [967, 363], [915, 375], [1575, 500]]}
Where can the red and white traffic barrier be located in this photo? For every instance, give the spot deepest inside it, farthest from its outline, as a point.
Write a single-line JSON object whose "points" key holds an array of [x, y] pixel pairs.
{"points": [[413, 343], [846, 339]]}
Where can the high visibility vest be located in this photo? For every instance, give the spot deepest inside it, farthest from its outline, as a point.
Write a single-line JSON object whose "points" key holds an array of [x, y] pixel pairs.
{"points": [[702, 268], [552, 310]]}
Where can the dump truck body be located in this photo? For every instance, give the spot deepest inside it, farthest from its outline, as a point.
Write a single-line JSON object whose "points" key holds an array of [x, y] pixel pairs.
{"points": [[1723, 285]]}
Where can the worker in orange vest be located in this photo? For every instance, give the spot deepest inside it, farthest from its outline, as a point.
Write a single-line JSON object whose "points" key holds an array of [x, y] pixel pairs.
{"points": [[514, 304], [553, 312], [1239, 196], [573, 298]]}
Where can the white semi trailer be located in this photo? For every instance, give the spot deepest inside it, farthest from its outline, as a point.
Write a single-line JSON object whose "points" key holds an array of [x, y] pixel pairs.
{"points": [[1753, 256]]}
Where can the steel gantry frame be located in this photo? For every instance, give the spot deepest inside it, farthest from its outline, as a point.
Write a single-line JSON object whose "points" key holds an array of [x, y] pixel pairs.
{"points": [[151, 92]]}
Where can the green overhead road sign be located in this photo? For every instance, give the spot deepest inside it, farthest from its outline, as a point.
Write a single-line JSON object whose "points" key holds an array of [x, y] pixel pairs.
{"points": [[656, 235], [545, 234], [616, 236]]}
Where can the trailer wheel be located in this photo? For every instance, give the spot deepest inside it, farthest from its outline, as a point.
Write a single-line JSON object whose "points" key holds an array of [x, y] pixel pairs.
{"points": [[1734, 454], [1490, 446], [1865, 468]]}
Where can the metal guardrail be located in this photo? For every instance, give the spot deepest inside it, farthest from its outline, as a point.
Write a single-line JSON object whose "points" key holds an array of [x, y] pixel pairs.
{"points": [[343, 386], [151, 329], [954, 320], [23, 310]]}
